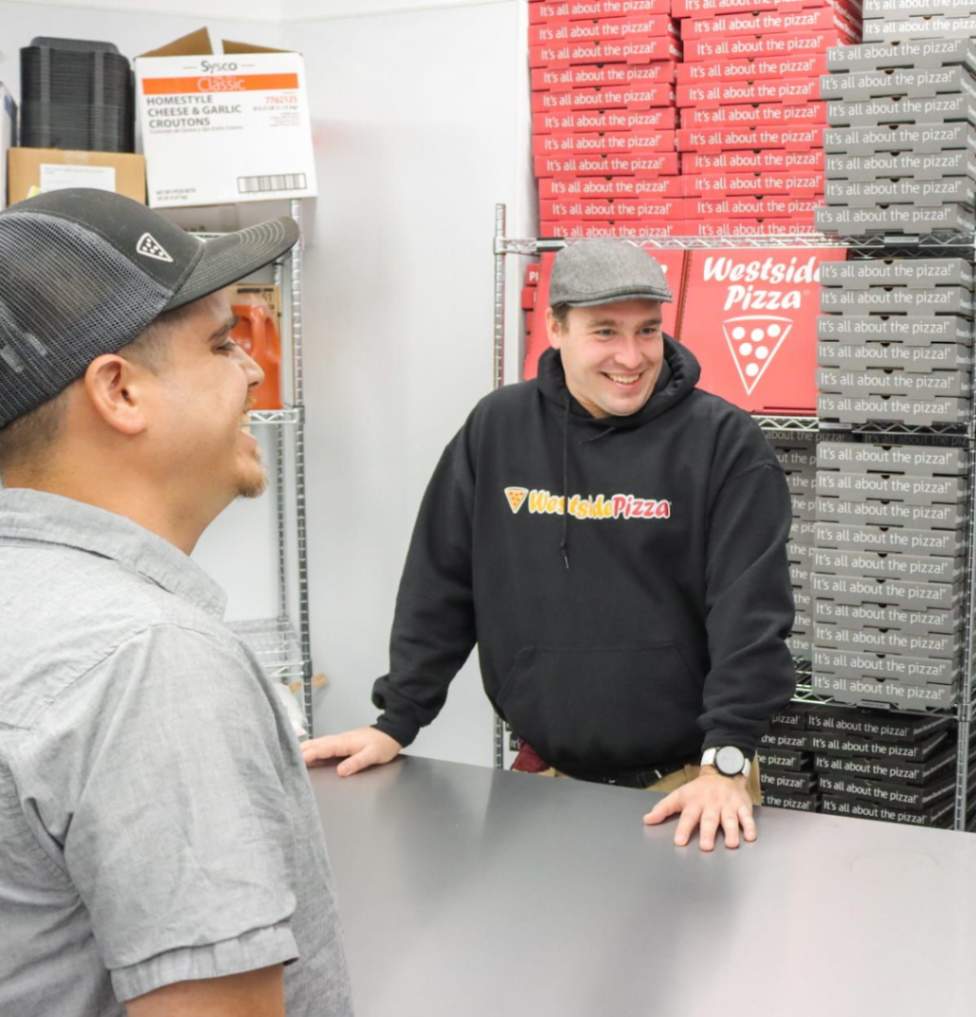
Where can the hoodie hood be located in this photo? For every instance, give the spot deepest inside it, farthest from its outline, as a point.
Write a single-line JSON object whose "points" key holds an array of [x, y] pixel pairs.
{"points": [[680, 372]]}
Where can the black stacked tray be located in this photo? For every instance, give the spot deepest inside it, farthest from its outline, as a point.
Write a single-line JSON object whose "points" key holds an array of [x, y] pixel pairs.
{"points": [[76, 94]]}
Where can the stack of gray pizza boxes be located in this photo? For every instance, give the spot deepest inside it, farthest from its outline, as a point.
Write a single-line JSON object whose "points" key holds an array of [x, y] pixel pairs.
{"points": [[901, 135], [789, 780]]}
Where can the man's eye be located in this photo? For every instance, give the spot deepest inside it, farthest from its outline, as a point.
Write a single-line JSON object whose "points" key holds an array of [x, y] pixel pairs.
{"points": [[228, 346]]}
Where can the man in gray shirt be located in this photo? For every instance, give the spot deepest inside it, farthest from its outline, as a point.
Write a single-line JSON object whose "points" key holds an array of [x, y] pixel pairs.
{"points": [[159, 847]]}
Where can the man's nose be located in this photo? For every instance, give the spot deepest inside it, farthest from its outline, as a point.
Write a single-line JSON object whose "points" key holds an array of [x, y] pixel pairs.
{"points": [[629, 353]]}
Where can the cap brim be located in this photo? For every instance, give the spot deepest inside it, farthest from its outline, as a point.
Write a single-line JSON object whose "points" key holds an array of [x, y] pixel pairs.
{"points": [[662, 296], [229, 258]]}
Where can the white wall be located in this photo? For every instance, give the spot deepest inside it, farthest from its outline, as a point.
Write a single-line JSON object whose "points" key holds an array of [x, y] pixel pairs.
{"points": [[102, 12]]}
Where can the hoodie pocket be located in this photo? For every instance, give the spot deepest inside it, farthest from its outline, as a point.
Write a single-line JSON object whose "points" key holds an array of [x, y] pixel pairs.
{"points": [[598, 708]]}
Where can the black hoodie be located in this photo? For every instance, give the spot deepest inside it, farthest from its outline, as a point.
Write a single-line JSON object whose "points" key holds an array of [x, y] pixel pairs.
{"points": [[646, 623]]}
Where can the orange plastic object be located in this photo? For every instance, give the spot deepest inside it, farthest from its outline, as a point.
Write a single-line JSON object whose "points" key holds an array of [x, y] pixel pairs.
{"points": [[257, 334]]}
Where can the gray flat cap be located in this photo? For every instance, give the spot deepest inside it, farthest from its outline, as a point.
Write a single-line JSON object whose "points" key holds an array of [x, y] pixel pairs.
{"points": [[589, 272]]}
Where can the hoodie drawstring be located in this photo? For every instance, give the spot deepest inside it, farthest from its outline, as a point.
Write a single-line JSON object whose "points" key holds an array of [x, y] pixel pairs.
{"points": [[564, 543]]}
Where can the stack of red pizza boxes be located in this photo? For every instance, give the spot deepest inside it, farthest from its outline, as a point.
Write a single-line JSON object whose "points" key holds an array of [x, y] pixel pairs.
{"points": [[751, 118], [603, 117]]}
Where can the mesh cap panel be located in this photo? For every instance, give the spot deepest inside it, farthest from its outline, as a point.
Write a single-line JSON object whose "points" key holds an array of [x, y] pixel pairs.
{"points": [[64, 300]]}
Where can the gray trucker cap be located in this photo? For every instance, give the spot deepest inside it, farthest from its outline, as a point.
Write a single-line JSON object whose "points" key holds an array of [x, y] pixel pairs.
{"points": [[590, 272], [83, 272]]}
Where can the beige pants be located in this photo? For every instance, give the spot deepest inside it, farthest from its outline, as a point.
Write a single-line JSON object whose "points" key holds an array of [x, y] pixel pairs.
{"points": [[683, 776]]}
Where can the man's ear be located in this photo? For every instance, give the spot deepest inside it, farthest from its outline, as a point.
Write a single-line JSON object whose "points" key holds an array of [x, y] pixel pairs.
{"points": [[116, 390], [553, 330]]}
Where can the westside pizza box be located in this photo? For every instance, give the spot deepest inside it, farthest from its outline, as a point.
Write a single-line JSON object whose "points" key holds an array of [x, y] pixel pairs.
{"points": [[896, 771], [800, 803], [776, 781], [916, 138], [916, 8], [916, 273], [637, 230], [899, 796], [710, 8], [882, 565], [636, 96], [603, 188], [899, 165], [893, 540], [890, 640], [629, 51], [940, 109], [898, 300], [764, 114], [914, 82], [614, 209], [747, 207], [608, 143], [719, 139], [905, 219], [882, 513], [728, 93], [879, 56], [602, 121], [938, 815], [793, 741], [722, 185], [532, 273], [759, 161], [750, 319], [872, 409], [672, 263], [556, 79], [869, 691], [758, 68], [601, 164], [881, 727], [920, 331], [885, 667], [924, 193], [720, 226], [586, 9], [888, 618], [835, 743], [851, 356], [8, 137], [771, 22], [740, 47], [219, 128], [912, 488], [599, 30], [783, 759], [33, 171], [923, 27]]}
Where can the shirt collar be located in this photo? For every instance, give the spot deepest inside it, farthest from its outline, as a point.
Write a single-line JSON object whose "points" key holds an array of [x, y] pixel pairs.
{"points": [[45, 518]]}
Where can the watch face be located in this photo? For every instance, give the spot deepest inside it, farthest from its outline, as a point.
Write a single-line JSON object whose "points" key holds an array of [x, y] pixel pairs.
{"points": [[729, 760]]}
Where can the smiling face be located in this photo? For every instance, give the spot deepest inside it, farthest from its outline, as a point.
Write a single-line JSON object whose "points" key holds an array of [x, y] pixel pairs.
{"points": [[611, 353]]}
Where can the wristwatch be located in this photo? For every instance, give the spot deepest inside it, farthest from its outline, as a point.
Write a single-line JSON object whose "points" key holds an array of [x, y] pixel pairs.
{"points": [[727, 759]]}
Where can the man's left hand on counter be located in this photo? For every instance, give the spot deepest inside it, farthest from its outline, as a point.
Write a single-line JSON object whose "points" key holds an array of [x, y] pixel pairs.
{"points": [[708, 802]]}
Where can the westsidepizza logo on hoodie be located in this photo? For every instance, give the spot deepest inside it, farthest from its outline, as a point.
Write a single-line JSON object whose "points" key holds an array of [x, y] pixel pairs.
{"points": [[600, 506]]}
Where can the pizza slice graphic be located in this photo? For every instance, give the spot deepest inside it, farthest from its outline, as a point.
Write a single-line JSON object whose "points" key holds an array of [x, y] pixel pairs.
{"points": [[753, 341], [516, 496]]}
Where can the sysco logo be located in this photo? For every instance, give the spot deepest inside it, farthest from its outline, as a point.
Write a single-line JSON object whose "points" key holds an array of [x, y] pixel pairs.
{"points": [[211, 66]]}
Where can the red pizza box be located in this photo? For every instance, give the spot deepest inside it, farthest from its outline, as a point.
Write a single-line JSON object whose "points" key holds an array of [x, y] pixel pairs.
{"points": [[635, 96], [622, 142], [630, 51], [764, 113], [654, 72], [728, 93], [750, 317], [723, 185], [765, 160], [573, 10], [528, 297], [721, 138], [663, 118], [671, 261], [579, 229], [726, 228], [532, 273], [710, 8], [562, 33], [769, 23], [749, 47], [611, 187], [810, 65], [614, 209], [774, 206], [647, 164]]}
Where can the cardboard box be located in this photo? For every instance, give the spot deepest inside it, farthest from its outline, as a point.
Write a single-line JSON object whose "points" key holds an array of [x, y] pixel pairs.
{"points": [[916, 82], [770, 22], [759, 161], [635, 50], [905, 219], [729, 93], [917, 138], [604, 165], [36, 170], [852, 688], [902, 165], [228, 128], [603, 188], [586, 9], [562, 79], [813, 65], [941, 109], [709, 8], [8, 137], [602, 121], [636, 96], [654, 209], [879, 56], [800, 45], [718, 139], [724, 185], [562, 33], [922, 27], [610, 143]]}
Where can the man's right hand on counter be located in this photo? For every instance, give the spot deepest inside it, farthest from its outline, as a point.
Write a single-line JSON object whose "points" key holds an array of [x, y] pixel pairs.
{"points": [[362, 747]]}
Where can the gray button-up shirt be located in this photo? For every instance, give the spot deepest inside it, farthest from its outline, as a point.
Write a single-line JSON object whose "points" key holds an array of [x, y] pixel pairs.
{"points": [[156, 821]]}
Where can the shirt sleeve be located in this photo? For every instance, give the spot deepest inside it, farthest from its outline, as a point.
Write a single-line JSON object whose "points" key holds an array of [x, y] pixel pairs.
{"points": [[159, 785]]}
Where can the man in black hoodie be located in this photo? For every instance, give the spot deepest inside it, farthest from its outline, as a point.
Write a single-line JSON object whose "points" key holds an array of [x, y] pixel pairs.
{"points": [[614, 540]]}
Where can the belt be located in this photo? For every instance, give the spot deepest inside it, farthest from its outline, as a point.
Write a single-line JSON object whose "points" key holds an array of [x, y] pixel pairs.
{"points": [[640, 777]]}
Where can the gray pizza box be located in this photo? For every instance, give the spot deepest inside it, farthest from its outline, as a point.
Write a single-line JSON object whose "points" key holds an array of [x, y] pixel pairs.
{"points": [[935, 27], [897, 165], [799, 803], [800, 481], [862, 691], [916, 359], [794, 741], [925, 193], [798, 574], [899, 796], [924, 623], [881, 457], [796, 456], [894, 381], [894, 299], [792, 718], [908, 595], [918, 138], [800, 646], [891, 640], [783, 759], [914, 489], [939, 815], [799, 554], [939, 109], [880, 55], [916, 273], [803, 623], [835, 743], [861, 409], [802, 783], [890, 727], [921, 331], [904, 219], [885, 566], [831, 509], [896, 770], [949, 543], [912, 82], [803, 598], [803, 531], [804, 507], [885, 667], [897, 9]]}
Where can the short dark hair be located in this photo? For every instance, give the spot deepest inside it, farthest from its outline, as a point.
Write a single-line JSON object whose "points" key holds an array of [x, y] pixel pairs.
{"points": [[561, 313]]}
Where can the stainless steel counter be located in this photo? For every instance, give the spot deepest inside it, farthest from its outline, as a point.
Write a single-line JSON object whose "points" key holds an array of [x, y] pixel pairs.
{"points": [[466, 891]]}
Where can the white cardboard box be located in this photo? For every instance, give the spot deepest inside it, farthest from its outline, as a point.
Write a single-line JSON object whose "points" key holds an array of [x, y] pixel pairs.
{"points": [[225, 128], [8, 137]]}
